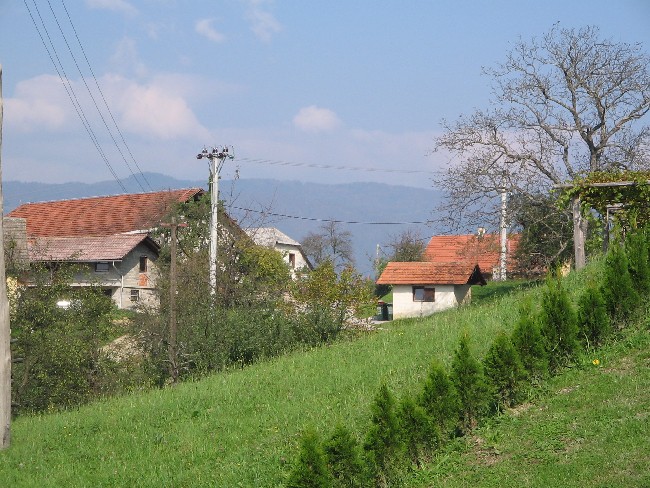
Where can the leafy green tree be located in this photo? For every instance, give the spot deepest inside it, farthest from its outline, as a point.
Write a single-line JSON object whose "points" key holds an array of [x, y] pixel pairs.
{"points": [[60, 347], [328, 301], [559, 323], [621, 297], [503, 371], [310, 470], [469, 381], [593, 321], [419, 433], [344, 460], [383, 444], [528, 341], [439, 399]]}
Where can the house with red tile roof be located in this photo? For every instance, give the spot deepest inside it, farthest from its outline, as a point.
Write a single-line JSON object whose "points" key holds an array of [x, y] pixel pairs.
{"points": [[481, 249], [423, 288], [108, 238]]}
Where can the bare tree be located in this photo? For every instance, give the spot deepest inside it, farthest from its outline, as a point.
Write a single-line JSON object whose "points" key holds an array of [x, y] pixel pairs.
{"points": [[331, 243], [563, 105]]}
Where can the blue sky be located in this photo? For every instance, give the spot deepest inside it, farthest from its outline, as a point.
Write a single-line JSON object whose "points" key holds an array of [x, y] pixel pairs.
{"points": [[355, 83]]}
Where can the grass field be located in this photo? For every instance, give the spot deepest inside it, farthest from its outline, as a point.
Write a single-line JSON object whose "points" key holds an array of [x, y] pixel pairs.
{"points": [[589, 427], [241, 428]]}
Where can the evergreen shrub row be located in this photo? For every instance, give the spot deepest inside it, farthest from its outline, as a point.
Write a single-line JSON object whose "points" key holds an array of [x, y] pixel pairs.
{"points": [[451, 403]]}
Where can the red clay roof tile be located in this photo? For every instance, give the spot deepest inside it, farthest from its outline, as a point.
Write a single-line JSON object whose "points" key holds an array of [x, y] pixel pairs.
{"points": [[101, 216], [427, 273], [483, 250], [86, 249]]}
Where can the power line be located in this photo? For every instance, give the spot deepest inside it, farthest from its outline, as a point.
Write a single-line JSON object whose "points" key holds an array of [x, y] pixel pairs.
{"points": [[83, 51], [329, 166], [69, 89], [314, 219]]}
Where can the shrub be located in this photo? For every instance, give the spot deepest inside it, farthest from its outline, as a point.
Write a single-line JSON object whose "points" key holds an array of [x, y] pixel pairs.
{"points": [[593, 321], [62, 364], [559, 323], [621, 298], [383, 444], [636, 249], [310, 470], [467, 377], [503, 371], [528, 341], [344, 460], [419, 433], [439, 399]]}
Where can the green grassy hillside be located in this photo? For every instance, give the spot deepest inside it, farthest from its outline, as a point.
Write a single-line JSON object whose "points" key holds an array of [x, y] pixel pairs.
{"points": [[241, 428]]}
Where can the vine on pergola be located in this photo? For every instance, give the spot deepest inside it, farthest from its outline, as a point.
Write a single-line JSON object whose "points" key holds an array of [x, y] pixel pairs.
{"points": [[629, 191]]}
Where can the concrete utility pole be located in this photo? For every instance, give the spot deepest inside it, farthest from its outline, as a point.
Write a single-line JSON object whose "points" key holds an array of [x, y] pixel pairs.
{"points": [[5, 331], [504, 235], [217, 157]]}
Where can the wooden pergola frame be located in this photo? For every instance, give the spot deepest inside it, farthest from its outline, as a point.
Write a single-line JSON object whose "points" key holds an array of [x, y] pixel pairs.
{"points": [[579, 223]]}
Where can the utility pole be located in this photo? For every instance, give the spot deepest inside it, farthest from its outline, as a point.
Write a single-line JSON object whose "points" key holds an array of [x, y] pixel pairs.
{"points": [[5, 330], [173, 326], [504, 235], [217, 157]]}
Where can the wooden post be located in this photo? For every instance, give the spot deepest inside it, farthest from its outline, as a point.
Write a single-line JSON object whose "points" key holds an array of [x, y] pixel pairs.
{"points": [[579, 231], [173, 326], [5, 330]]}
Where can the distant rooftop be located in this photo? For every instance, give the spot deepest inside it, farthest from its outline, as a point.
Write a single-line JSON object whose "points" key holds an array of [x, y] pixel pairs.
{"points": [[270, 236], [101, 216]]}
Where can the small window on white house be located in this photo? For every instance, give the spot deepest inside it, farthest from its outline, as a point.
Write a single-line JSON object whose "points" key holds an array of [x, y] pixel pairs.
{"points": [[292, 260], [135, 295], [143, 264], [101, 267], [424, 294]]}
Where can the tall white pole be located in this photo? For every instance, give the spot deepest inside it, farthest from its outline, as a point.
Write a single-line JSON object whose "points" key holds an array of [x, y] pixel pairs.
{"points": [[504, 235], [5, 331], [214, 222]]}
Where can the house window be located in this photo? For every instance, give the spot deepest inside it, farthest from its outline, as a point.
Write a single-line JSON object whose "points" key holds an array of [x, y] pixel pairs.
{"points": [[101, 267], [135, 295], [143, 264], [424, 294], [292, 260]]}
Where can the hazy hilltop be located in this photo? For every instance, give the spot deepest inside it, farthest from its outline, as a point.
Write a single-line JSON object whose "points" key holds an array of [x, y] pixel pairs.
{"points": [[294, 207]]}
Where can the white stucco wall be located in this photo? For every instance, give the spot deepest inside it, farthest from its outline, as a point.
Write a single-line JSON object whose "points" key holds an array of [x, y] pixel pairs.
{"points": [[285, 250], [446, 296]]}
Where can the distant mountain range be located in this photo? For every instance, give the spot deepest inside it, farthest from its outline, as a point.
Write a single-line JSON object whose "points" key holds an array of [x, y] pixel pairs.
{"points": [[294, 207]]}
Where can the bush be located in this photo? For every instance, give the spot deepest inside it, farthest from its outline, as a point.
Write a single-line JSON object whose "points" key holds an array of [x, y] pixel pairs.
{"points": [[344, 460], [439, 399], [528, 341], [419, 433], [467, 377], [383, 444], [636, 248], [62, 364], [503, 371], [593, 321], [310, 470], [621, 298], [559, 323]]}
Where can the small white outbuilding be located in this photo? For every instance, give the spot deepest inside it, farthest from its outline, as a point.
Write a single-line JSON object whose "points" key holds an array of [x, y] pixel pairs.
{"points": [[423, 288]]}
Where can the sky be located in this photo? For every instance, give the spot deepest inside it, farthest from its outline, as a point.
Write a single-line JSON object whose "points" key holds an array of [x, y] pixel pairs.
{"points": [[330, 92]]}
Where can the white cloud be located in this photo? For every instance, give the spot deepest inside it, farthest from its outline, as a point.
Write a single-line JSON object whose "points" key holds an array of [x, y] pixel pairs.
{"points": [[121, 6], [204, 27], [316, 119], [262, 22], [153, 110], [39, 103], [125, 59]]}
